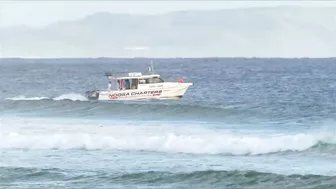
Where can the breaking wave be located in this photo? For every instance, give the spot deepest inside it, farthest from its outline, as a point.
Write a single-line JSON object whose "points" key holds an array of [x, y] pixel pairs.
{"points": [[128, 138]]}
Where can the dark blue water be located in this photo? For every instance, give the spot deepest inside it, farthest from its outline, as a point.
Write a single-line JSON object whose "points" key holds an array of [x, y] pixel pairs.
{"points": [[245, 123]]}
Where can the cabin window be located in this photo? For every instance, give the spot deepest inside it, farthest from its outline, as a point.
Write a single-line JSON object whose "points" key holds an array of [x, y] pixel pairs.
{"points": [[134, 83], [142, 81], [154, 80], [127, 84], [114, 85], [120, 84]]}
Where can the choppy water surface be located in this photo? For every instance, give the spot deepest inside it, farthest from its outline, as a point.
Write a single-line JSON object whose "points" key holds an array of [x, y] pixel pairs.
{"points": [[245, 123]]}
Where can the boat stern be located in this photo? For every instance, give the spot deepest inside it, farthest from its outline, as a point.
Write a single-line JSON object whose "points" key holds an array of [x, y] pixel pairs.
{"points": [[92, 95]]}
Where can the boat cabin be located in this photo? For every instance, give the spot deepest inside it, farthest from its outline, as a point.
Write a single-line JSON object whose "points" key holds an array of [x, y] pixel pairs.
{"points": [[133, 81]]}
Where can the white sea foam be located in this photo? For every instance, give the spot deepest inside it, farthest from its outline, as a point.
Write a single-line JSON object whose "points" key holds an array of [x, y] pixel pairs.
{"points": [[70, 96], [170, 142], [27, 98], [69, 135]]}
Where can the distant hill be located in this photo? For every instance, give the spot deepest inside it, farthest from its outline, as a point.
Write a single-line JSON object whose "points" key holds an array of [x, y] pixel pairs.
{"points": [[249, 32]]}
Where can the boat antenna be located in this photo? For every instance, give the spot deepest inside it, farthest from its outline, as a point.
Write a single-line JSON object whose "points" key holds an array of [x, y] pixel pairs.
{"points": [[151, 68]]}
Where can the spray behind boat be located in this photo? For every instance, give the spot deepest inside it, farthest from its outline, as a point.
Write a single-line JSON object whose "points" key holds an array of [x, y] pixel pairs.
{"points": [[94, 95]]}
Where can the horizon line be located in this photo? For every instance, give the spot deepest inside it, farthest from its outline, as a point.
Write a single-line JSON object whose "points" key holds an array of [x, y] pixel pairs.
{"points": [[205, 57]]}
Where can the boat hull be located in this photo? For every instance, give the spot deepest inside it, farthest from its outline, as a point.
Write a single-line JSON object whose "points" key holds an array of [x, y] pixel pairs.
{"points": [[168, 92]]}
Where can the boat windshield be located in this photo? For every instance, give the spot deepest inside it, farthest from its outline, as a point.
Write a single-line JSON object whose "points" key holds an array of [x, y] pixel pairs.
{"points": [[124, 84], [132, 83], [151, 80], [114, 85]]}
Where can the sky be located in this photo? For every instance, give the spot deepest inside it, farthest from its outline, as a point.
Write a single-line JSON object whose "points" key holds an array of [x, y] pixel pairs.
{"points": [[41, 13]]}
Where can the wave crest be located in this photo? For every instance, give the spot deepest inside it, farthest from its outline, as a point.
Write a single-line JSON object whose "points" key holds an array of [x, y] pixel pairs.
{"points": [[168, 142]]}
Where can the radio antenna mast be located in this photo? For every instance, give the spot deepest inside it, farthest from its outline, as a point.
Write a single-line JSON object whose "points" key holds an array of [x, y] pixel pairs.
{"points": [[152, 66]]}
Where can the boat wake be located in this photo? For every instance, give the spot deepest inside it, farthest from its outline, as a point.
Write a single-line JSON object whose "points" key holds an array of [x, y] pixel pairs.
{"points": [[69, 96]]}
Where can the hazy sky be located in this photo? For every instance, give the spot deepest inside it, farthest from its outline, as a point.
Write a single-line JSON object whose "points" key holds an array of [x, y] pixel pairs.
{"points": [[39, 13]]}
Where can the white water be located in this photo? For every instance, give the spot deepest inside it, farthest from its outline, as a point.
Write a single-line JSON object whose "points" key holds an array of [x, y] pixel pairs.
{"points": [[69, 96], [33, 133], [27, 98]]}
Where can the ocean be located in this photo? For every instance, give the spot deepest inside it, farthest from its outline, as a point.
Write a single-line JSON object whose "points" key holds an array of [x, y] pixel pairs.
{"points": [[245, 123]]}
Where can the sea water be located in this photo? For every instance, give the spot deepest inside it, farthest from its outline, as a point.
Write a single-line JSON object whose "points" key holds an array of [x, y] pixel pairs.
{"points": [[245, 123]]}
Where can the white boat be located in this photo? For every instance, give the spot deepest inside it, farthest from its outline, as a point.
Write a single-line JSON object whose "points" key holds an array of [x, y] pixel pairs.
{"points": [[136, 86]]}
